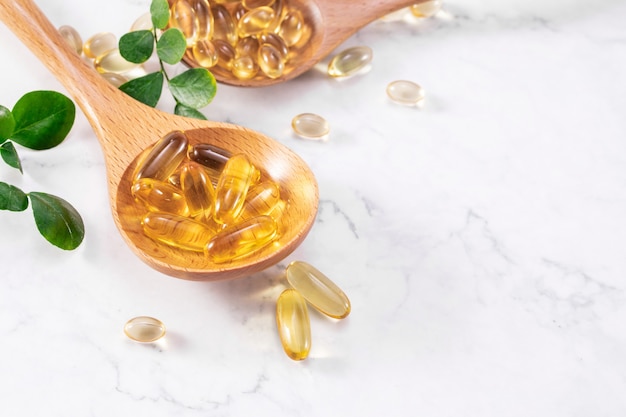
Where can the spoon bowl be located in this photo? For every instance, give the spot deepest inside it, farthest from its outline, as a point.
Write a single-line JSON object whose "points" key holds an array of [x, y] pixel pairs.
{"points": [[331, 22], [126, 128]]}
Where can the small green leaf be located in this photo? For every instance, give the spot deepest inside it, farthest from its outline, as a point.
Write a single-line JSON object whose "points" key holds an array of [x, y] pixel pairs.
{"points": [[9, 155], [171, 46], [194, 88], [42, 119], [146, 89], [57, 220], [7, 123], [137, 46], [160, 13], [186, 111], [12, 198]]}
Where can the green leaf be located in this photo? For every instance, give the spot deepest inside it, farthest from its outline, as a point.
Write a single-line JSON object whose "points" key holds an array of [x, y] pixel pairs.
{"points": [[171, 46], [9, 155], [7, 123], [186, 111], [146, 89], [12, 198], [194, 88], [42, 119], [160, 13], [57, 220], [137, 46]]}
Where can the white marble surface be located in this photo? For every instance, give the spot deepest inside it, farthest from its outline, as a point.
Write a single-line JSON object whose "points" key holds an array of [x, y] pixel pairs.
{"points": [[481, 238]]}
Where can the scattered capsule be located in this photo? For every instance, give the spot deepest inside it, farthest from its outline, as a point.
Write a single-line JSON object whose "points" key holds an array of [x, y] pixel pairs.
{"points": [[177, 231], [294, 326], [292, 27], [205, 53], [350, 61], [114, 79], [113, 61], [245, 67], [159, 196], [198, 190], [271, 61], [241, 239], [232, 188], [405, 92], [144, 329], [310, 126], [223, 25], [318, 289], [99, 44], [426, 9], [255, 21], [183, 17], [164, 157], [143, 22], [72, 37], [261, 199], [225, 54]]}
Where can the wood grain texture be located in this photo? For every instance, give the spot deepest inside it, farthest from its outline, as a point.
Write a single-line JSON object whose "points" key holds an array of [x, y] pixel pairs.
{"points": [[125, 128]]}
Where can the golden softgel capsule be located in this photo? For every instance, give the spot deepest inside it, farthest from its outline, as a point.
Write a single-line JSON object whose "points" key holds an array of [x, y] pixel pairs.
{"points": [[294, 327], [159, 196], [198, 190], [177, 231], [350, 61], [241, 239], [232, 187], [318, 289], [164, 157]]}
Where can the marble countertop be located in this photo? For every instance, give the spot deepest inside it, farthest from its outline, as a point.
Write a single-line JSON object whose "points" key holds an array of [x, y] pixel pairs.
{"points": [[481, 238]]}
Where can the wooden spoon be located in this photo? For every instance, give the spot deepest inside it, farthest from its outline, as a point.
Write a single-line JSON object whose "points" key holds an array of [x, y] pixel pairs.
{"points": [[125, 128], [331, 23]]}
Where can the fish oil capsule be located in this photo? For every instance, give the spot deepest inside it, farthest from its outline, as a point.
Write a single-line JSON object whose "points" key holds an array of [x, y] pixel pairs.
{"points": [[238, 12], [143, 22], [245, 67], [261, 199], [241, 239], [291, 28], [426, 9], [232, 188], [318, 289], [277, 42], [270, 61], [114, 79], [144, 329], [99, 44], [197, 189], [224, 26], [72, 37], [248, 46], [213, 158], [310, 126], [350, 61], [164, 157], [159, 196], [279, 12], [183, 17], [177, 231], [113, 61], [405, 92], [205, 53], [253, 4], [255, 21], [225, 54], [202, 8], [294, 326]]}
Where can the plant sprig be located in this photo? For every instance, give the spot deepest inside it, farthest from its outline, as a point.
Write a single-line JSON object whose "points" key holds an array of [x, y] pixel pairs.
{"points": [[40, 120], [192, 89]]}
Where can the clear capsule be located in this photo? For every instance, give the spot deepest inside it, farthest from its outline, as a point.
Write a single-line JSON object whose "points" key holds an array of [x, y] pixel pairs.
{"points": [[232, 188], [310, 126], [72, 37], [160, 196], [177, 231], [241, 239], [203, 12], [350, 61], [245, 67], [213, 158], [114, 79], [292, 27], [405, 92], [183, 17], [224, 26], [271, 61], [277, 42], [294, 326], [225, 54], [113, 61], [205, 53], [198, 190], [143, 22], [248, 46], [99, 44], [261, 199], [318, 289], [164, 157], [144, 329], [426, 9], [255, 21]]}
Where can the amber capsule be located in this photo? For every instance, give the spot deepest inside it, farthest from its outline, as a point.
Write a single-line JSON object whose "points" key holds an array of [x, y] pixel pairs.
{"points": [[277, 42], [212, 157], [238, 12], [99, 44], [245, 67], [205, 53], [261, 199], [177, 231], [72, 37], [270, 61], [279, 12], [294, 326], [318, 289], [255, 21], [225, 54], [241, 239], [183, 17], [232, 188], [426, 9], [198, 190], [205, 18], [144, 329], [113, 61], [292, 27], [224, 26], [164, 157], [350, 61], [161, 196], [248, 46]]}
